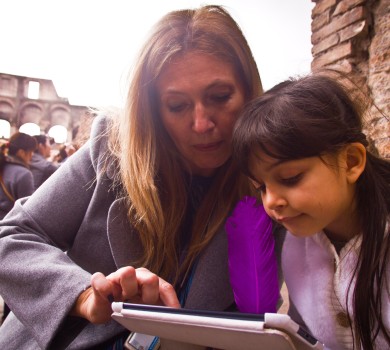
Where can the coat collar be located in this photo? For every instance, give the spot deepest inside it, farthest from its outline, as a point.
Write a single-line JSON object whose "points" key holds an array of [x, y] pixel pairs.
{"points": [[124, 241], [211, 287]]}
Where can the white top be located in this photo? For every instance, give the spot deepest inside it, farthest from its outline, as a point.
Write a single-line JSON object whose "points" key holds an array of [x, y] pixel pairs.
{"points": [[317, 280]]}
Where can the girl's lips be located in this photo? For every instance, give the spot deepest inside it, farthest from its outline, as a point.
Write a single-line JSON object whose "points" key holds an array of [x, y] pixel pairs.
{"points": [[207, 147], [286, 219]]}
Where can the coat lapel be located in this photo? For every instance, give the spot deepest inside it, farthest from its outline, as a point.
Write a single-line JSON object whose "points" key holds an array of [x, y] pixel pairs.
{"points": [[210, 288], [124, 241]]}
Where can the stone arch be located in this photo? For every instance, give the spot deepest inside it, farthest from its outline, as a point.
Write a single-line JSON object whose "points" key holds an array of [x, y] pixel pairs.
{"points": [[5, 129], [60, 115], [31, 113], [7, 110], [30, 129], [59, 133]]}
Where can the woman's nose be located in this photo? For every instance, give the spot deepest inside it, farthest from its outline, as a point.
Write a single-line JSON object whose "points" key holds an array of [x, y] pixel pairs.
{"points": [[202, 119]]}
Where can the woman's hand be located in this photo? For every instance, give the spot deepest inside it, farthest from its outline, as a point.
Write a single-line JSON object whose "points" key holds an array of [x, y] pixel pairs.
{"points": [[126, 284]]}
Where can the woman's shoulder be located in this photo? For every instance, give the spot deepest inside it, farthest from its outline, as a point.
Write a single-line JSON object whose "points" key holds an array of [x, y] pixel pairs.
{"points": [[99, 134], [101, 124], [101, 154]]}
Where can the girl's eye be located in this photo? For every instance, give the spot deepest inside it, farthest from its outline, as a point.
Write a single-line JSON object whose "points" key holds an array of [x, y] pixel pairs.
{"points": [[291, 181], [260, 188]]}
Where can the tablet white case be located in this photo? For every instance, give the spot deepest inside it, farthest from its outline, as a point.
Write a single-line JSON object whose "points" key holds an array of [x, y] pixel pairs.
{"points": [[219, 333]]}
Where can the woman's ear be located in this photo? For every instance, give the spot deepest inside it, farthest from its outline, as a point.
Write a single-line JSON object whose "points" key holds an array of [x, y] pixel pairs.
{"points": [[355, 160]]}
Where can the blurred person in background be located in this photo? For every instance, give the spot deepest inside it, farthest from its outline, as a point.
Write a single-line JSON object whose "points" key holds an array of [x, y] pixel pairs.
{"points": [[64, 152], [62, 155], [15, 174], [16, 180], [40, 166]]}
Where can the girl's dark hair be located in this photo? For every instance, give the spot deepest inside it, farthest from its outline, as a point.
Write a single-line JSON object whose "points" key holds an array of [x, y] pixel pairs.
{"points": [[308, 117], [18, 141]]}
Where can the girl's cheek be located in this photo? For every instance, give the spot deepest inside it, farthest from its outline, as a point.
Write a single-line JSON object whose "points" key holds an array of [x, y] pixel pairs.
{"points": [[268, 211]]}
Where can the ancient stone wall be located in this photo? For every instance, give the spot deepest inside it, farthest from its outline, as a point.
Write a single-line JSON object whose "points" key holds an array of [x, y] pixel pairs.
{"points": [[46, 109], [354, 36]]}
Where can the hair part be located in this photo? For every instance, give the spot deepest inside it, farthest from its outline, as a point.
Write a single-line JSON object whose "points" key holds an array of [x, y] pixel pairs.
{"points": [[314, 116]]}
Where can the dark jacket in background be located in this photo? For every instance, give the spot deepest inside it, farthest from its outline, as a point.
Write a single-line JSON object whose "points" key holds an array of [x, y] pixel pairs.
{"points": [[18, 181], [41, 169]]}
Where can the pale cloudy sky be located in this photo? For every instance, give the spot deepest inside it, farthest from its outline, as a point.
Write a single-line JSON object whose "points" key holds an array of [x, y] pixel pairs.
{"points": [[87, 46]]}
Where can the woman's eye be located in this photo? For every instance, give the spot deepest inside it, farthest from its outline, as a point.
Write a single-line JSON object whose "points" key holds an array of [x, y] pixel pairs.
{"points": [[176, 108], [290, 181], [221, 98]]}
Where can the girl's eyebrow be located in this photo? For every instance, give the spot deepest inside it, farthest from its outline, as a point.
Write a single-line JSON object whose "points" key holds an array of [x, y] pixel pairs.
{"points": [[275, 164]]}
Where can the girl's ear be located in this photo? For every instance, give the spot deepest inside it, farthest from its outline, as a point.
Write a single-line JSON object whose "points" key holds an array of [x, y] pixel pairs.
{"points": [[355, 160]]}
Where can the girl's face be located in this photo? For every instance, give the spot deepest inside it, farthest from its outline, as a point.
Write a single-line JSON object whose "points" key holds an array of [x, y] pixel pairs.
{"points": [[200, 98], [307, 195]]}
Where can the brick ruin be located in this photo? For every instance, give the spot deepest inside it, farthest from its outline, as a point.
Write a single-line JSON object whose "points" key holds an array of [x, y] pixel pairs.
{"points": [[354, 36], [350, 35], [46, 109]]}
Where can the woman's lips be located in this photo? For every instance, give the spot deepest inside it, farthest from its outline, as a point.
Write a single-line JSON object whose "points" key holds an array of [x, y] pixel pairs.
{"points": [[208, 147]]}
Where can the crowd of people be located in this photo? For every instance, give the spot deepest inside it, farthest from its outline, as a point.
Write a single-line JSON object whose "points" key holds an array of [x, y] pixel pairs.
{"points": [[26, 162], [138, 213]]}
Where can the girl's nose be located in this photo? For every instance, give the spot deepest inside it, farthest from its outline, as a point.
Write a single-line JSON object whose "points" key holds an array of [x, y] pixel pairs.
{"points": [[202, 119], [273, 200]]}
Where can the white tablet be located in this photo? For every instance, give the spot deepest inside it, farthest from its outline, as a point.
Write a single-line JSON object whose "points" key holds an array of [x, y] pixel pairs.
{"points": [[220, 330]]}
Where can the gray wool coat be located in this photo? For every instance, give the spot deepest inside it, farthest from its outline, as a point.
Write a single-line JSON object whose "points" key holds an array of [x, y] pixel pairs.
{"points": [[77, 212]]}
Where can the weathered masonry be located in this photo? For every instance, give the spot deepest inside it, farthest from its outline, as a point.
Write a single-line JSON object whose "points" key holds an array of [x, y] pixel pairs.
{"points": [[354, 36], [32, 100]]}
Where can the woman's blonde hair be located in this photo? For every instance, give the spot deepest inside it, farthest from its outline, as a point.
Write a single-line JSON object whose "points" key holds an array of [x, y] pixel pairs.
{"points": [[151, 170]]}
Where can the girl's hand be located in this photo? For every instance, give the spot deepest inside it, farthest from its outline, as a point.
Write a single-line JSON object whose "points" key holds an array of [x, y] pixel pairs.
{"points": [[126, 284]]}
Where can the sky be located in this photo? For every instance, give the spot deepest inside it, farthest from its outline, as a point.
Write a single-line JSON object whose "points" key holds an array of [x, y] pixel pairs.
{"points": [[86, 47]]}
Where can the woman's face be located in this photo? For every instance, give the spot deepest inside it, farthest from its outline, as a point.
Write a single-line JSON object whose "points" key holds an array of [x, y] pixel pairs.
{"points": [[200, 98]]}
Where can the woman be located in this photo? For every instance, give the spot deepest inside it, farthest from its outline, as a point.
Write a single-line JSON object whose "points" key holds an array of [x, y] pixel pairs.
{"points": [[147, 196], [15, 176]]}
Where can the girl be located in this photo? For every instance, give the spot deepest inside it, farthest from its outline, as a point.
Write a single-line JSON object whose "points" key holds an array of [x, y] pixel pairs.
{"points": [[302, 145]]}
